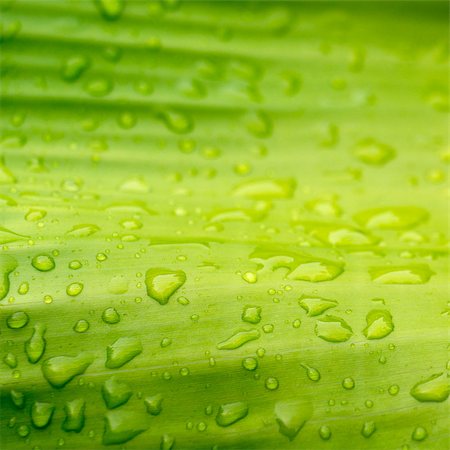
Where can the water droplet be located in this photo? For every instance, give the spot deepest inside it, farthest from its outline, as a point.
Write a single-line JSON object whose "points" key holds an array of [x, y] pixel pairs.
{"points": [[17, 320], [177, 121], [419, 434], [432, 389], [74, 411], [271, 383], [314, 306], [333, 329], [33, 214], [325, 432], [291, 416], [35, 346], [238, 339], [43, 263], [167, 442], [250, 363], [259, 124], [122, 426], [58, 371], [230, 413], [83, 230], [23, 431], [413, 274], [368, 429], [312, 373], [348, 383], [10, 360], [154, 404], [251, 314], [315, 271], [165, 342], [122, 351], [7, 265], [110, 9], [98, 87], [110, 316], [127, 120], [81, 326], [41, 414], [73, 67], [266, 189], [392, 217], [250, 277], [379, 324], [74, 289], [115, 392], [394, 389], [18, 398], [162, 283], [75, 265], [374, 153]]}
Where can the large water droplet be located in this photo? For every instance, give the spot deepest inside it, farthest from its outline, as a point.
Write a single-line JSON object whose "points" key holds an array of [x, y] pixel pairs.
{"points": [[122, 351], [115, 392], [238, 339], [368, 429], [379, 324], [75, 417], [333, 329], [314, 306], [154, 404], [251, 314], [419, 434], [43, 263], [7, 265], [435, 388], [58, 371], [291, 416], [17, 320], [413, 274], [266, 189], [373, 153], [110, 316], [230, 413], [122, 426], [162, 283], [41, 414], [392, 217]]}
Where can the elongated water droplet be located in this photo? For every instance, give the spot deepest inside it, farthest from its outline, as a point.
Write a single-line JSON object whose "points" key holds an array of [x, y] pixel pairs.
{"points": [[35, 346], [291, 416], [122, 426], [230, 413], [75, 415], [414, 274], [373, 153], [154, 404], [41, 414], [115, 392], [161, 284], [266, 189], [314, 306], [17, 320], [238, 339], [379, 324], [98, 87], [83, 230], [58, 371], [333, 329], [122, 351], [392, 217], [177, 121], [7, 265], [435, 388]]}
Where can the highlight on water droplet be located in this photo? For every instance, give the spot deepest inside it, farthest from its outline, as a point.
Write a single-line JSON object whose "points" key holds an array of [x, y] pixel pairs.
{"points": [[374, 153]]}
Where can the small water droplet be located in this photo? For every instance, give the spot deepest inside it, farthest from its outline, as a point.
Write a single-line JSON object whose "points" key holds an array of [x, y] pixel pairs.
{"points": [[154, 404], [271, 383], [251, 314], [230, 413], [325, 432], [333, 329], [122, 351], [419, 434], [43, 263], [17, 320], [110, 316], [368, 429], [35, 346]]}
